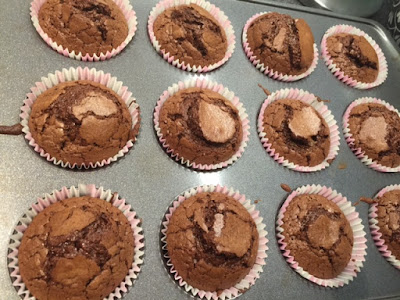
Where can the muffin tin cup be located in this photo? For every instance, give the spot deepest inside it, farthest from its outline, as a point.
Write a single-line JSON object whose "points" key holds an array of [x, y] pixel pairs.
{"points": [[254, 273], [383, 68], [214, 11], [265, 69], [204, 84], [322, 110], [375, 229], [350, 140], [128, 13], [73, 74], [66, 193], [359, 246]]}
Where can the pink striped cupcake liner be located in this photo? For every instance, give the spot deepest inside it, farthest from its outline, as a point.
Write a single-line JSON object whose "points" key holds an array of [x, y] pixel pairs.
{"points": [[73, 74], [126, 9], [322, 110], [254, 273], [66, 193], [383, 68], [213, 86], [350, 140], [265, 69], [359, 246], [214, 11], [375, 230]]}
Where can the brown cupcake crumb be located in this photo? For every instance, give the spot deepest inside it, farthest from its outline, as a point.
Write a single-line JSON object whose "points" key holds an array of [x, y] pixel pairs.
{"points": [[285, 187], [11, 130]]}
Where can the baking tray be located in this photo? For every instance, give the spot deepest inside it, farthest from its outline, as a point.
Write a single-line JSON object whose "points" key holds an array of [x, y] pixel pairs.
{"points": [[150, 180]]}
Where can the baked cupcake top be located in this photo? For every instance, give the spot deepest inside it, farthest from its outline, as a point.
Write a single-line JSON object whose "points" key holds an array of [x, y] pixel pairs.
{"points": [[81, 122], [282, 43], [388, 216], [90, 26], [212, 241], [297, 132], [201, 126], [376, 130], [76, 248], [191, 34], [354, 56], [318, 235]]}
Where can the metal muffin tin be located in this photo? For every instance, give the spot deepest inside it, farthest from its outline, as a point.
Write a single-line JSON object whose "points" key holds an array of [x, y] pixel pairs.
{"points": [[150, 180]]}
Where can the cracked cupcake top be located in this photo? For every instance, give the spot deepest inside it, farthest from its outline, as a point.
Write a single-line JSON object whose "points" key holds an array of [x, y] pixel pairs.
{"points": [[354, 56], [297, 132], [90, 26], [282, 43], [376, 130], [76, 248], [201, 126], [191, 34], [318, 235], [388, 211], [81, 122], [212, 241]]}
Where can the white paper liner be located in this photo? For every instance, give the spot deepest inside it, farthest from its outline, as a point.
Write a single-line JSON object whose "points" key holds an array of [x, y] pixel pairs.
{"points": [[204, 84], [322, 110], [265, 69], [214, 11], [128, 13], [66, 193], [383, 68], [375, 230], [254, 273], [73, 74], [350, 140], [359, 245]]}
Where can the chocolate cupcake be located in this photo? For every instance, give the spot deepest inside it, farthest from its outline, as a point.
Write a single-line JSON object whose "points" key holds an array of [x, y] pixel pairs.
{"points": [[280, 46], [200, 127]]}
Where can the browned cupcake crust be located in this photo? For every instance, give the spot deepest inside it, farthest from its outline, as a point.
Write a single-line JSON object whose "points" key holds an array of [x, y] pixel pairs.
{"points": [[318, 235], [354, 56], [376, 130], [201, 126], [282, 43], [212, 241], [78, 248], [90, 26], [191, 34], [297, 132], [388, 211], [81, 122]]}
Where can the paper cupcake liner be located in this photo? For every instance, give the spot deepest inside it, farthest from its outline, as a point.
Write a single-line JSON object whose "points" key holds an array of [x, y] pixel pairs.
{"points": [[214, 11], [254, 273], [66, 193], [350, 140], [322, 110], [383, 68], [375, 229], [265, 69], [359, 246], [126, 9], [73, 74], [204, 84]]}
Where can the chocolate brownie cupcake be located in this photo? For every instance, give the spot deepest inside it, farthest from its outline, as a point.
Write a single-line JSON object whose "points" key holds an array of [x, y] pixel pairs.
{"points": [[318, 235], [376, 130], [297, 132], [212, 241], [281, 43], [76, 248], [191, 34], [201, 126], [87, 27], [81, 122]]}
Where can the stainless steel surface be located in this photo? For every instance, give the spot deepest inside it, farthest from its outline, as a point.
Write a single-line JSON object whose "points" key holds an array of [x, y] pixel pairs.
{"points": [[362, 8], [150, 180]]}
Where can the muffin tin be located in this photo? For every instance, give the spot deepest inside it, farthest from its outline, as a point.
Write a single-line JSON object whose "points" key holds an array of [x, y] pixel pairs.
{"points": [[150, 180]]}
